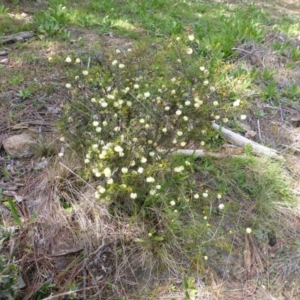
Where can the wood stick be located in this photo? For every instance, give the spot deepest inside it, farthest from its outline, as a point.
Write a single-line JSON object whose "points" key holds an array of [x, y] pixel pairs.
{"points": [[202, 153], [21, 36], [241, 141]]}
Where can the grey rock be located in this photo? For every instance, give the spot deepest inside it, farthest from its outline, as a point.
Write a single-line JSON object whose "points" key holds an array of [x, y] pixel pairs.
{"points": [[19, 146]]}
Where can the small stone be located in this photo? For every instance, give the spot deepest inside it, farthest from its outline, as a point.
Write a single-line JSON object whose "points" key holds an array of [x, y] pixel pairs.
{"points": [[4, 61], [19, 146]]}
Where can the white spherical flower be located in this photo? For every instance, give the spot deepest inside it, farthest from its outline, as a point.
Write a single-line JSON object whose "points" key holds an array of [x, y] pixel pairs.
{"points": [[248, 230], [68, 59], [205, 257], [97, 195], [124, 170], [217, 117], [173, 92], [76, 77], [221, 206], [143, 160], [179, 169], [110, 181], [215, 103], [134, 139], [104, 104], [182, 144], [178, 112], [187, 103], [219, 196], [133, 195], [191, 37], [174, 141], [114, 62], [151, 153], [85, 72], [140, 170], [202, 143], [68, 85], [118, 51], [118, 149], [121, 66], [136, 86], [60, 154], [205, 82], [236, 103], [152, 192], [86, 161], [167, 108], [225, 120], [172, 203], [243, 117], [150, 179], [98, 129], [104, 123], [202, 69], [142, 121], [185, 118], [107, 172], [146, 94], [158, 187], [179, 133], [196, 196], [164, 130], [95, 123], [205, 195], [189, 51], [196, 105], [77, 60], [93, 100], [101, 189], [187, 163]]}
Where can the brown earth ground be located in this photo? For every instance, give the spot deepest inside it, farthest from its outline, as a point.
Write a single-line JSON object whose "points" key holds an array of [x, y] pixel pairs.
{"points": [[39, 113]]}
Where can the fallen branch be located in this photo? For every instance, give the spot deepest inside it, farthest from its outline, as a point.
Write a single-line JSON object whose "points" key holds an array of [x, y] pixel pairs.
{"points": [[202, 153], [241, 141], [18, 37]]}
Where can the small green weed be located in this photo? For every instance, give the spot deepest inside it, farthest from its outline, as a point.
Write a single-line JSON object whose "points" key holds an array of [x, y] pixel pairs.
{"points": [[52, 21], [16, 79], [24, 93], [3, 10], [10, 283]]}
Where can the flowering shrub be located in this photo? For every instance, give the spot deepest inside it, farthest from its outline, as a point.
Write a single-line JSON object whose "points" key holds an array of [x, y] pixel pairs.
{"points": [[138, 107]]}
